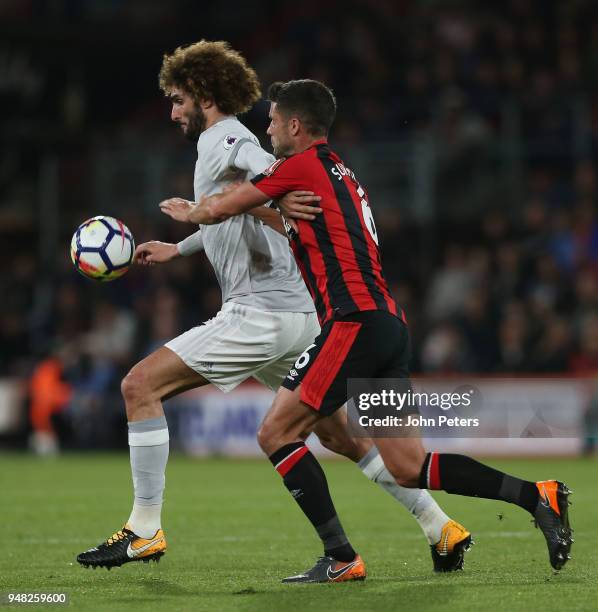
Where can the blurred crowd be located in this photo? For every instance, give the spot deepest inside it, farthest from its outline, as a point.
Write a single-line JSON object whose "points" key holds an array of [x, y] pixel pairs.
{"points": [[508, 286]]}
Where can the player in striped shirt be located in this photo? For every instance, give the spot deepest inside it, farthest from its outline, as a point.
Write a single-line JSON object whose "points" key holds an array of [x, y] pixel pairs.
{"points": [[364, 335]]}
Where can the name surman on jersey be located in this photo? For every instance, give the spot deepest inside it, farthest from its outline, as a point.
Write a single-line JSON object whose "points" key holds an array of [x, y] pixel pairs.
{"points": [[338, 253]]}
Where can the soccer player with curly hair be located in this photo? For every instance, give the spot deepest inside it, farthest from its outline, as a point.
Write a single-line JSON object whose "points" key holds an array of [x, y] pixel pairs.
{"points": [[266, 321]]}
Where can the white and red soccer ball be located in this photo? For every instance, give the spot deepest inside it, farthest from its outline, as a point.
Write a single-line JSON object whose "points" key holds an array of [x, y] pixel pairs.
{"points": [[102, 248]]}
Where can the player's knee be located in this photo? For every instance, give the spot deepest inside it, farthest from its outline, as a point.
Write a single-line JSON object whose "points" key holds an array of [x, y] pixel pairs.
{"points": [[134, 386], [265, 439], [270, 438]]}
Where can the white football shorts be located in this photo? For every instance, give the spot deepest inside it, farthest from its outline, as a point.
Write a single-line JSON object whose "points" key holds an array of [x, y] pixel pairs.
{"points": [[240, 342]]}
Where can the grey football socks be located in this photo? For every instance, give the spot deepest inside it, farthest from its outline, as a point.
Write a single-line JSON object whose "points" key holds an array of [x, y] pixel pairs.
{"points": [[419, 502], [149, 445]]}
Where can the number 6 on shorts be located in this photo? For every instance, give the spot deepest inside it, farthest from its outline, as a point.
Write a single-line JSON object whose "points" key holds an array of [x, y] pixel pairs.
{"points": [[304, 358]]}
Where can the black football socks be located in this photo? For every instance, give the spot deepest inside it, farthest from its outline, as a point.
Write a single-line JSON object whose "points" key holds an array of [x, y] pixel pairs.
{"points": [[304, 478], [462, 475]]}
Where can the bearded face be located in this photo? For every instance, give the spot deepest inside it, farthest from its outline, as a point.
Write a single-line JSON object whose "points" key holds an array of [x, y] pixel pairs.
{"points": [[196, 124], [187, 114]]}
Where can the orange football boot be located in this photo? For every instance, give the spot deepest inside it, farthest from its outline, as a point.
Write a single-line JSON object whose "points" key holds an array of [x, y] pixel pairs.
{"points": [[552, 517], [122, 547], [328, 569], [448, 552]]}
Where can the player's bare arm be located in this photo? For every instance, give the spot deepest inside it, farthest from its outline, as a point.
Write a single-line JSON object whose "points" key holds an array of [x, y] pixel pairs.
{"points": [[244, 199], [179, 210], [220, 207]]}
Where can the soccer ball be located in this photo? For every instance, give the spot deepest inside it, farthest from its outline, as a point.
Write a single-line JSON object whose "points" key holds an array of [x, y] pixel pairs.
{"points": [[102, 248]]}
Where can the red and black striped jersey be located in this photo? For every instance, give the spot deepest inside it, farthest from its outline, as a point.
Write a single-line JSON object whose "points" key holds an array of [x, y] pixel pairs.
{"points": [[338, 253]]}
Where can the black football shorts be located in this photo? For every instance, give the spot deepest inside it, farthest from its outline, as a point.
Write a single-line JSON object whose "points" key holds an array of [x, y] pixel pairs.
{"points": [[370, 344]]}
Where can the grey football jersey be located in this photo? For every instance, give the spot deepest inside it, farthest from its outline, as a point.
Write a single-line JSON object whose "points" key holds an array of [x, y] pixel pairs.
{"points": [[253, 263]]}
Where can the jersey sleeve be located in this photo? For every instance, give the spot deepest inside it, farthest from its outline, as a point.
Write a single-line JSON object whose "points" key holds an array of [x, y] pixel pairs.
{"points": [[191, 244], [283, 176], [251, 157], [217, 156]]}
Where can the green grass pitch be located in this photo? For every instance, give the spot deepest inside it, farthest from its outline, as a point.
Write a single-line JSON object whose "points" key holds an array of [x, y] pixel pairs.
{"points": [[233, 531]]}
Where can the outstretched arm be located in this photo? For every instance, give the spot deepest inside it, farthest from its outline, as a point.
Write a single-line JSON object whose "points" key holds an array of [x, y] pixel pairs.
{"points": [[216, 208], [220, 207], [244, 198]]}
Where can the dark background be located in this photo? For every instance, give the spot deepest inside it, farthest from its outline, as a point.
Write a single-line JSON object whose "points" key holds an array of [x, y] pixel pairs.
{"points": [[473, 125]]}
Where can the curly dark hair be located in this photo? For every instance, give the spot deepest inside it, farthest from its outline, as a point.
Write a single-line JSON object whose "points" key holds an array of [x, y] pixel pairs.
{"points": [[212, 70]]}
